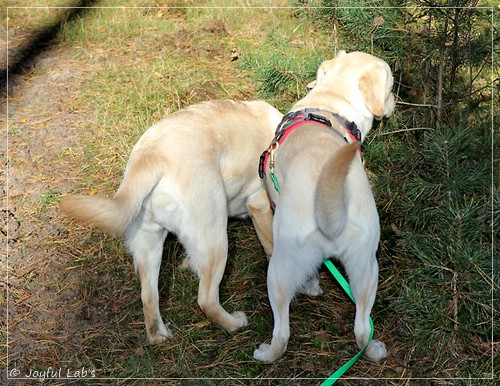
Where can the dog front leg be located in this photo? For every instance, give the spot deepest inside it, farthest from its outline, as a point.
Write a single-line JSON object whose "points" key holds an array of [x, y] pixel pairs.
{"points": [[260, 212]]}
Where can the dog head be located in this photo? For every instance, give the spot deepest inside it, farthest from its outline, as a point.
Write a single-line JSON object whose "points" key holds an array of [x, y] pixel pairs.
{"points": [[361, 79]]}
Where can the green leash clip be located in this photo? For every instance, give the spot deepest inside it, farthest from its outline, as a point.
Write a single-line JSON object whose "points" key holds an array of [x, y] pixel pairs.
{"points": [[275, 182], [345, 285]]}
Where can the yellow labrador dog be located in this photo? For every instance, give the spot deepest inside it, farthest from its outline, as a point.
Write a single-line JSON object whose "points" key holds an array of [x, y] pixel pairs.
{"points": [[186, 175], [323, 202]]}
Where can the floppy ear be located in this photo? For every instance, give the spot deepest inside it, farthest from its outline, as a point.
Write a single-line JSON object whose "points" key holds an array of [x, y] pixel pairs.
{"points": [[340, 54], [373, 86], [322, 70], [324, 67]]}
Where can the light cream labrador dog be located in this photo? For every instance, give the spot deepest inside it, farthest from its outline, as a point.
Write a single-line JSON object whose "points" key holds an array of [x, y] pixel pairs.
{"points": [[186, 175], [325, 206]]}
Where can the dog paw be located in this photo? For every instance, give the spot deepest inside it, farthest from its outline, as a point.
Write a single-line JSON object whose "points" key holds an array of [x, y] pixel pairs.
{"points": [[376, 351], [160, 336], [184, 265], [267, 353], [239, 320], [311, 287], [262, 353]]}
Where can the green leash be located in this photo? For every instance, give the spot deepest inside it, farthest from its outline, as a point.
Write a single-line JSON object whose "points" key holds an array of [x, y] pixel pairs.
{"points": [[345, 285]]}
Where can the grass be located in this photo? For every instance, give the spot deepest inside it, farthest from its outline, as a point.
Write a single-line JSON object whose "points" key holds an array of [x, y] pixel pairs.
{"points": [[200, 349], [143, 63]]}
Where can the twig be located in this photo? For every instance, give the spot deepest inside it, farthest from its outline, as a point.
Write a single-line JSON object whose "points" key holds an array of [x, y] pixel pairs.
{"points": [[405, 130], [415, 104]]}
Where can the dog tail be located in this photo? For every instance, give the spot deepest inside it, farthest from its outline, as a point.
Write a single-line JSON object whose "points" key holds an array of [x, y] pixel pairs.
{"points": [[115, 214], [331, 200]]}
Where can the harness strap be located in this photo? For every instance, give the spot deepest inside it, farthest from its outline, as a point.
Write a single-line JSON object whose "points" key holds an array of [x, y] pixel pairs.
{"points": [[289, 123], [293, 120], [352, 130]]}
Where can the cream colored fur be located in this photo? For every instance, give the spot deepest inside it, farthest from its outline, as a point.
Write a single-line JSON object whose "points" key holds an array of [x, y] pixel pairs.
{"points": [[186, 175], [326, 207]]}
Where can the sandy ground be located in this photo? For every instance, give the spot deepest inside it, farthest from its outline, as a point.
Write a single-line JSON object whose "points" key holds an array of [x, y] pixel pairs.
{"points": [[42, 300]]}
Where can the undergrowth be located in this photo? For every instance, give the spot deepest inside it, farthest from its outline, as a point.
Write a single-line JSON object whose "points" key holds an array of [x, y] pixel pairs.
{"points": [[439, 227]]}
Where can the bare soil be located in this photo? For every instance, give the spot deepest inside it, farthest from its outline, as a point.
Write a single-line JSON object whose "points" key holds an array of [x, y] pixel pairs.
{"points": [[44, 304]]}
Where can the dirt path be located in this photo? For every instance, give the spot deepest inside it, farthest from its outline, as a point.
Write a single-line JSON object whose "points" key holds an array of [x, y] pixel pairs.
{"points": [[44, 310]]}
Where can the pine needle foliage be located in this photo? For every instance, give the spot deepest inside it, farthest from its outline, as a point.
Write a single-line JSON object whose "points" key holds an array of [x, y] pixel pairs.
{"points": [[434, 197], [371, 25], [281, 69], [279, 74], [450, 165]]}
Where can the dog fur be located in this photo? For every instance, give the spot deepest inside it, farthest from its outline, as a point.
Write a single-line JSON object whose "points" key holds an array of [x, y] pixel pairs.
{"points": [[186, 175], [326, 206]]}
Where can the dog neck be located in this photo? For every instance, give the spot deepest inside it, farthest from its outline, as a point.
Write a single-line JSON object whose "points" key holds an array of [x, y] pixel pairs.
{"points": [[329, 110], [338, 124]]}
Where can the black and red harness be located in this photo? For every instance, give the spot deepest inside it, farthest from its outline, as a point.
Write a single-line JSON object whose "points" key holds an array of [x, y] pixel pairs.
{"points": [[295, 119]]}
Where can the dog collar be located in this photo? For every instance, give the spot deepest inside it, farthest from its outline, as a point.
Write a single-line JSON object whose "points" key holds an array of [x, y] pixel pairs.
{"points": [[295, 119]]}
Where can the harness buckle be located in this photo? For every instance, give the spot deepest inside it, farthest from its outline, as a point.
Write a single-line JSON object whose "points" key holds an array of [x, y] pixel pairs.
{"points": [[272, 149], [319, 119]]}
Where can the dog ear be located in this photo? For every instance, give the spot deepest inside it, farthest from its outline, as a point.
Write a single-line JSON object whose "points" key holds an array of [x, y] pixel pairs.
{"points": [[312, 84], [324, 67], [373, 85]]}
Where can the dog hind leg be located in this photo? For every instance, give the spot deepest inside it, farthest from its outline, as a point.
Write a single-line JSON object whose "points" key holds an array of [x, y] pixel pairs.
{"points": [[145, 242], [363, 278], [284, 277]]}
